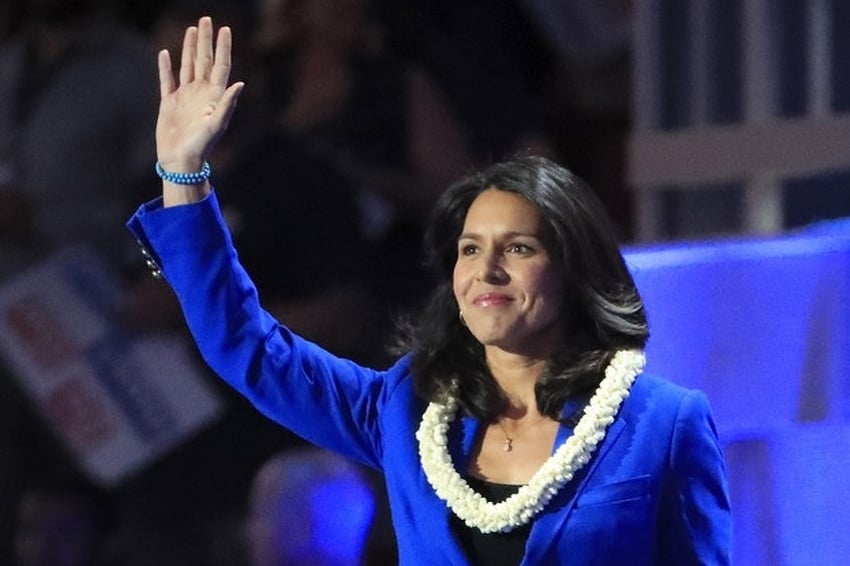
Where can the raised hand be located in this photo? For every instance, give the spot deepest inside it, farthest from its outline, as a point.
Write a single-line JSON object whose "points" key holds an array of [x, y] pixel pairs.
{"points": [[195, 107]]}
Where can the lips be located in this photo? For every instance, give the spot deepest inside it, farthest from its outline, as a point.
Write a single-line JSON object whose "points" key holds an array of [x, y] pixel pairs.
{"points": [[491, 300]]}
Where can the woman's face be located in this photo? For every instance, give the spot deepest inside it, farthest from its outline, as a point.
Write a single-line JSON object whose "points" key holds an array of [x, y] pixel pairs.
{"points": [[507, 284]]}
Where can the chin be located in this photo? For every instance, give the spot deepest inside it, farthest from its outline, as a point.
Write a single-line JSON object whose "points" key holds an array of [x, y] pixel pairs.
{"points": [[517, 342], [502, 340], [488, 335]]}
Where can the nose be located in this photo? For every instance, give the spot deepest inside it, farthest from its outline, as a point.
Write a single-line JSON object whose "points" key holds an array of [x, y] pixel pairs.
{"points": [[491, 269]]}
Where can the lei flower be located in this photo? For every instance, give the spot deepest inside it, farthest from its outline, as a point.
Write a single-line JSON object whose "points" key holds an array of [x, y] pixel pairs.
{"points": [[525, 504]]}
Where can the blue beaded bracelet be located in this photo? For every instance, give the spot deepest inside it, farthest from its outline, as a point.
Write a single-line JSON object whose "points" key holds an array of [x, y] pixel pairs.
{"points": [[195, 178]]}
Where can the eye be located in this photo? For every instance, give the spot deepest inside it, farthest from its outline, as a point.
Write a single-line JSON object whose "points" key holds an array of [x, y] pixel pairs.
{"points": [[468, 249], [519, 248]]}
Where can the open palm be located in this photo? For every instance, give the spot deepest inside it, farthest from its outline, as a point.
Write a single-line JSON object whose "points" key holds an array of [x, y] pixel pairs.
{"points": [[195, 107]]}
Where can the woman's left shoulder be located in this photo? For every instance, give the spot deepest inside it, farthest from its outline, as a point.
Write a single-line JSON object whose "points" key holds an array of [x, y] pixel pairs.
{"points": [[665, 405], [661, 392]]}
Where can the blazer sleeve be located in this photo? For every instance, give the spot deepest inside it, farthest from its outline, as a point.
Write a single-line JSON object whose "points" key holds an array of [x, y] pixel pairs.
{"points": [[696, 522], [329, 401]]}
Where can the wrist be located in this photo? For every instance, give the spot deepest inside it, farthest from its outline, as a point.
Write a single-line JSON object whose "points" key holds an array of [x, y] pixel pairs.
{"points": [[196, 176], [181, 163]]}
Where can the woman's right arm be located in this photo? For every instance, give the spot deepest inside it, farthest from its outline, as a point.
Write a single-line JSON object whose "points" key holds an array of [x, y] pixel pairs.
{"points": [[329, 401], [195, 107]]}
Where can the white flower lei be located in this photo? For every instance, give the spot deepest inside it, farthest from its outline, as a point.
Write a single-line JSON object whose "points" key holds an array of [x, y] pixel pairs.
{"points": [[560, 468]]}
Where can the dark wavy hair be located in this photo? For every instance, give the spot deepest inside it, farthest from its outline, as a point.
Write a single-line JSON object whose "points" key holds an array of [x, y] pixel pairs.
{"points": [[605, 310]]}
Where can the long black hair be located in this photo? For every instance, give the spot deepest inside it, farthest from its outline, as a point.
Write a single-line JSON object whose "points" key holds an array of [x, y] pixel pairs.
{"points": [[606, 312]]}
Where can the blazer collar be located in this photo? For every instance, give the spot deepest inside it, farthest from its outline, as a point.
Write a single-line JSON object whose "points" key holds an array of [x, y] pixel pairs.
{"points": [[544, 532]]}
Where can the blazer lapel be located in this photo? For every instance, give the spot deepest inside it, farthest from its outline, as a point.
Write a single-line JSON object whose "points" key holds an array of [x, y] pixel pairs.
{"points": [[462, 437], [461, 451], [545, 531]]}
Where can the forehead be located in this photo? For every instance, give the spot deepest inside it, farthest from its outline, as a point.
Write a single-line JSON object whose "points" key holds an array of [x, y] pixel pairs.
{"points": [[498, 210]]}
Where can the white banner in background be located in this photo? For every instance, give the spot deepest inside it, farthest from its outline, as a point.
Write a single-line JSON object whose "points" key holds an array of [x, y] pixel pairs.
{"points": [[117, 400]]}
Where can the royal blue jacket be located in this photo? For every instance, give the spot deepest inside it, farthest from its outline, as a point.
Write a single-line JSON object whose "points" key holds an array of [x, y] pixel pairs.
{"points": [[654, 491]]}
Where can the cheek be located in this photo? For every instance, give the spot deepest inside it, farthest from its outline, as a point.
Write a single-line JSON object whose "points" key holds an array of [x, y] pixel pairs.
{"points": [[550, 289]]}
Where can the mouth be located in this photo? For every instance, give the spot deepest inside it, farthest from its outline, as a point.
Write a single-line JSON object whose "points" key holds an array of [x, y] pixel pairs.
{"points": [[491, 300]]}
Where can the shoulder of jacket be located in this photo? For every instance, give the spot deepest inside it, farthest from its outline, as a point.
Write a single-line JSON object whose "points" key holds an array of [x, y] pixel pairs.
{"points": [[658, 393]]}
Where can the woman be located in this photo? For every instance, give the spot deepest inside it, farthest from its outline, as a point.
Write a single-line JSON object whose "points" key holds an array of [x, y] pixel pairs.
{"points": [[523, 380]]}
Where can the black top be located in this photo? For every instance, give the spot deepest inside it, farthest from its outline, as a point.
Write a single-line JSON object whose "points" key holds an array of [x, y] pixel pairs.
{"points": [[491, 549]]}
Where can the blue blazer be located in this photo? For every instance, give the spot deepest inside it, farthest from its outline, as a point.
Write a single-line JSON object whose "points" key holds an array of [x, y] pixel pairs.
{"points": [[654, 491]]}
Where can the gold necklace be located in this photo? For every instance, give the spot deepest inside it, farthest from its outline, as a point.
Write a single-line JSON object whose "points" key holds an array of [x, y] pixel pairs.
{"points": [[509, 441]]}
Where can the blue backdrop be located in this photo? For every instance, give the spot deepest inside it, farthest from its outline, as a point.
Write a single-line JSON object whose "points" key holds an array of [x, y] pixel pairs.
{"points": [[762, 326]]}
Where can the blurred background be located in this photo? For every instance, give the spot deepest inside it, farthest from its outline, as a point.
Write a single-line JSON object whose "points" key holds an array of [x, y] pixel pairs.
{"points": [[715, 133]]}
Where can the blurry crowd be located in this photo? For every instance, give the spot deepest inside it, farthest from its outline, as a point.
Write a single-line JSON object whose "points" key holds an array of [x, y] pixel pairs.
{"points": [[357, 113]]}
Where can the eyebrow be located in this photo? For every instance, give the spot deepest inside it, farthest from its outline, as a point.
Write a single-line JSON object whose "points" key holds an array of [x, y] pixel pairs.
{"points": [[508, 235]]}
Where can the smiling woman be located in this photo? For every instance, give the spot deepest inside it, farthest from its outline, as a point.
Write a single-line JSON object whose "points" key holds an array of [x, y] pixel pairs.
{"points": [[534, 292], [517, 427]]}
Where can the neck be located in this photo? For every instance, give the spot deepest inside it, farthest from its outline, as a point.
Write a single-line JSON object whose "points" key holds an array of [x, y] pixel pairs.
{"points": [[516, 375]]}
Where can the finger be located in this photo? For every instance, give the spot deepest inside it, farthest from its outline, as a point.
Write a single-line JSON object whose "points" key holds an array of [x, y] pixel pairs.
{"points": [[187, 57], [166, 76], [224, 110], [204, 52], [221, 68]]}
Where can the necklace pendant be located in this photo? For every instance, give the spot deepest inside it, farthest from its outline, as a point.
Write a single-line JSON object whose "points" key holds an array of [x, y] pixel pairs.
{"points": [[508, 445]]}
